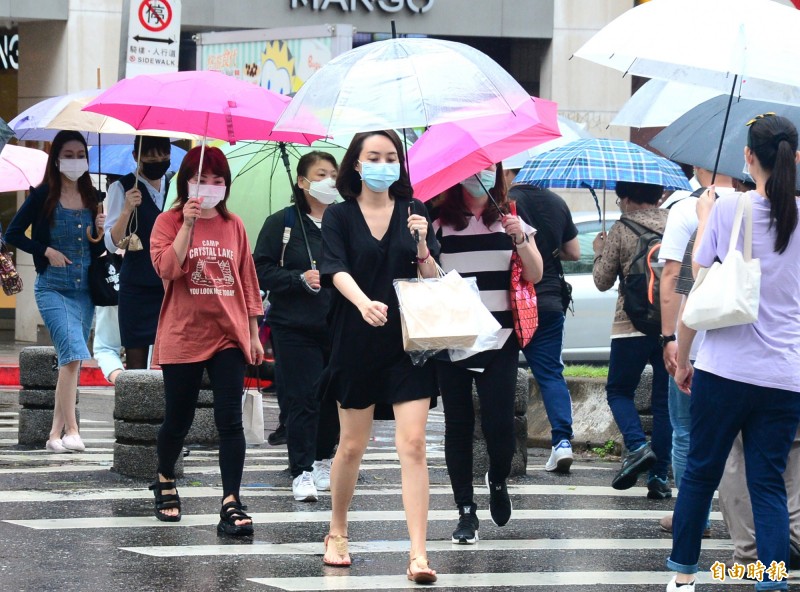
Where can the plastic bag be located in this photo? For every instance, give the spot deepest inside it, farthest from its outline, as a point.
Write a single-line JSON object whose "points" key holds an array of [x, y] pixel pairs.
{"points": [[441, 313]]}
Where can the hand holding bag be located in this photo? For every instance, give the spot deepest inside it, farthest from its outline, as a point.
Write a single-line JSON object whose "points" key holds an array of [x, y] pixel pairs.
{"points": [[9, 278], [727, 294], [523, 298], [253, 416]]}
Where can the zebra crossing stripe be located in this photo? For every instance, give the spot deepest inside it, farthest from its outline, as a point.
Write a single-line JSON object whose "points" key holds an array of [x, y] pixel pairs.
{"points": [[205, 470], [325, 516], [482, 580], [432, 546], [284, 491]]}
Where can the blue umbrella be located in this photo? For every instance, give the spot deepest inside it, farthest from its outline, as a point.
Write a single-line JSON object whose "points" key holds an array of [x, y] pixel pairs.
{"points": [[6, 133], [117, 159], [598, 163]]}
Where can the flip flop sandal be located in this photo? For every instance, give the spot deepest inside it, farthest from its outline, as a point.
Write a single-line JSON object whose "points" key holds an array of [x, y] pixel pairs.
{"points": [[421, 577], [340, 545], [165, 501], [229, 514]]}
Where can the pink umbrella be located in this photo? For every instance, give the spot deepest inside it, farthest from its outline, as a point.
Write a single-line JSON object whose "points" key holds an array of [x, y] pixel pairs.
{"points": [[21, 168], [205, 103], [450, 152]]}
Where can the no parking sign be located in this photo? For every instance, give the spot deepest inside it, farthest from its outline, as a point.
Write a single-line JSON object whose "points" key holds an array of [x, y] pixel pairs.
{"points": [[153, 41]]}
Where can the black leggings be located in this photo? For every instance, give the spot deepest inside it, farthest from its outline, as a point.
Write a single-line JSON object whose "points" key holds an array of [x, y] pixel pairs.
{"points": [[496, 387], [181, 389]]}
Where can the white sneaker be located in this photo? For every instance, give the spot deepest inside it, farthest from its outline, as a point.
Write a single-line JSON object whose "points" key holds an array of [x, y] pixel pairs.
{"points": [[303, 488], [73, 442], [560, 458], [673, 586], [55, 445], [321, 471]]}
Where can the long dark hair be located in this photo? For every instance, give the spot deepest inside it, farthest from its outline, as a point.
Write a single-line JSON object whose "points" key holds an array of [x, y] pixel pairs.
{"points": [[349, 181], [306, 162], [53, 177], [214, 163], [773, 140], [453, 211]]}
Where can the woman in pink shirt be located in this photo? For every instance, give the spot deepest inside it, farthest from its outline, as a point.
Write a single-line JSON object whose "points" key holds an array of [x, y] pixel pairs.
{"points": [[207, 322]]}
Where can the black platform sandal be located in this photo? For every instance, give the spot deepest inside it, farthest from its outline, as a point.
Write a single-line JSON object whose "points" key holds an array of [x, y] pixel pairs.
{"points": [[229, 514], [165, 501]]}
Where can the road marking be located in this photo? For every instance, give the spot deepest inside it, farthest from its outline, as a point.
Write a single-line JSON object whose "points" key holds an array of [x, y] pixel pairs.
{"points": [[259, 548], [481, 580], [187, 470], [325, 515]]}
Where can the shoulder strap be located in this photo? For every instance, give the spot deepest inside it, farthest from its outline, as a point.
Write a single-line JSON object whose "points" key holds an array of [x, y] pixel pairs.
{"points": [[696, 193], [289, 218], [637, 228]]}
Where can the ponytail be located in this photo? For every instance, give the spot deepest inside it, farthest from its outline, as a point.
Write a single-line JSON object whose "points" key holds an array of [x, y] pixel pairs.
{"points": [[773, 139], [780, 189]]}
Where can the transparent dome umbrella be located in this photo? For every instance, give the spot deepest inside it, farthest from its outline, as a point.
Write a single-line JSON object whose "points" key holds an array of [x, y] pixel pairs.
{"points": [[401, 83]]}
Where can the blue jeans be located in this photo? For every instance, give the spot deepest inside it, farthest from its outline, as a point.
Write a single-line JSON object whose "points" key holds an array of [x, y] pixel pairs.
{"points": [[680, 417], [544, 357], [629, 356], [768, 419]]}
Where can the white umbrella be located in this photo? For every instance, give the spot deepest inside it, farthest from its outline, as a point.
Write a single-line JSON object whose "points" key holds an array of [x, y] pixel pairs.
{"points": [[570, 131], [659, 103], [747, 45], [401, 83]]}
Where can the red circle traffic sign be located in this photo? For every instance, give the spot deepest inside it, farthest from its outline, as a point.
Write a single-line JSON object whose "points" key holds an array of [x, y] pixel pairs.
{"points": [[159, 11]]}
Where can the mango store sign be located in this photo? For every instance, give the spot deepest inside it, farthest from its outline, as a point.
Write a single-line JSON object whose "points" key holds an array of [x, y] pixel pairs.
{"points": [[415, 6]]}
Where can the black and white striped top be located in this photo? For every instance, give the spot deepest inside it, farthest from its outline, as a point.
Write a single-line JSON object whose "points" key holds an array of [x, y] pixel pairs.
{"points": [[485, 254]]}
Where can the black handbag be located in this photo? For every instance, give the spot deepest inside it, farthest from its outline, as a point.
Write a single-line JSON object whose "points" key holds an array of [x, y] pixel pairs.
{"points": [[104, 279]]}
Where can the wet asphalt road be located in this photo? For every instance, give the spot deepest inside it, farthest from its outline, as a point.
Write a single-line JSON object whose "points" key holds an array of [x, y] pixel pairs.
{"points": [[67, 523]]}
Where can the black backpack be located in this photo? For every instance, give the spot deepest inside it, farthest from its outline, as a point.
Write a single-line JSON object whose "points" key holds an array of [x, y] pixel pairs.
{"points": [[640, 287]]}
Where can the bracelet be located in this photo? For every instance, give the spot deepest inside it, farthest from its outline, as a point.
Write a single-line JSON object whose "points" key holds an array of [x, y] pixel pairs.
{"points": [[425, 258], [524, 239]]}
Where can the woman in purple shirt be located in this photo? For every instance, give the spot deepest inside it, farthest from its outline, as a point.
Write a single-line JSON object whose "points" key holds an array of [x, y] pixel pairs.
{"points": [[747, 377]]}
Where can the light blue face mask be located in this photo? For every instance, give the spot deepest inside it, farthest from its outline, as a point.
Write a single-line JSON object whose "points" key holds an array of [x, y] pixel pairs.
{"points": [[473, 185], [379, 176], [746, 172]]}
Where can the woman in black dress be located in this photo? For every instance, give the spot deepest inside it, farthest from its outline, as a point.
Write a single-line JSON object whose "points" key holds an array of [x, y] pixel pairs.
{"points": [[367, 242]]}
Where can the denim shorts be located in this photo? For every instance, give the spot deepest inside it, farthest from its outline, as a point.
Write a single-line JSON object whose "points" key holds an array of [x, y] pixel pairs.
{"points": [[67, 314]]}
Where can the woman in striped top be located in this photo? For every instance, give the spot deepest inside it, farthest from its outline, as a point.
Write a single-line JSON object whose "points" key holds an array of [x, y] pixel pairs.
{"points": [[477, 240]]}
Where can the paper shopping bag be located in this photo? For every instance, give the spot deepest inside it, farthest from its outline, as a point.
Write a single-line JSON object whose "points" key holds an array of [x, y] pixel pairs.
{"points": [[253, 417]]}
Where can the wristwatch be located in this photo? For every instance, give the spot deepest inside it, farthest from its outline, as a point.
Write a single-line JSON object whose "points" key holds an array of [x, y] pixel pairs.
{"points": [[663, 340]]}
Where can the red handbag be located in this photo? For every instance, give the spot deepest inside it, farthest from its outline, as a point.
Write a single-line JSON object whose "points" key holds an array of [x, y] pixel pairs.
{"points": [[523, 298]]}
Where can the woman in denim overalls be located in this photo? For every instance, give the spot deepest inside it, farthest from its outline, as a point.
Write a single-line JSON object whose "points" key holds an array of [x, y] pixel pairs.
{"points": [[60, 210]]}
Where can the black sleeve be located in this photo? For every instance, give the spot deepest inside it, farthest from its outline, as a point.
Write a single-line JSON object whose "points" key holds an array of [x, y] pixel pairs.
{"points": [[28, 214], [334, 244], [430, 239], [267, 256], [570, 230]]}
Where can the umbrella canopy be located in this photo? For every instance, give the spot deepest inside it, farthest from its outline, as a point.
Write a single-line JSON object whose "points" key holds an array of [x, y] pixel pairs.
{"points": [[570, 131], [21, 168], [117, 159], [752, 39], [401, 83], [204, 103], [659, 102], [693, 139], [6, 133], [599, 163], [42, 121], [450, 152]]}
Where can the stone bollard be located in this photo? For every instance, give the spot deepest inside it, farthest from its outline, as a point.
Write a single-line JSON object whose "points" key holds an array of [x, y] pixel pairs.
{"points": [[138, 414], [480, 456], [37, 396]]}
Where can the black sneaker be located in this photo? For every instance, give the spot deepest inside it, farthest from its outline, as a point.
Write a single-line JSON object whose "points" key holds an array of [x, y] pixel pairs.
{"points": [[278, 437], [635, 462], [658, 489], [466, 533], [794, 555], [499, 503]]}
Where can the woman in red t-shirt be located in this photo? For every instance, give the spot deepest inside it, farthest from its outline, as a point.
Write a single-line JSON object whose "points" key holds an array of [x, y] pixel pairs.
{"points": [[207, 322]]}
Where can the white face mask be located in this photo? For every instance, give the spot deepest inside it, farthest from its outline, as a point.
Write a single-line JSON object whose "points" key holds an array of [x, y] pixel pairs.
{"points": [[210, 195], [73, 168], [323, 191], [746, 172]]}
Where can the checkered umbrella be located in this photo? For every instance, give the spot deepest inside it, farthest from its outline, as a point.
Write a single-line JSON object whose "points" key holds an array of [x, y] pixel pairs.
{"points": [[598, 163]]}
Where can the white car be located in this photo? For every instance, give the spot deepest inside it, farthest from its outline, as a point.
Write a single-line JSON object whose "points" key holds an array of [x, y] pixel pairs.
{"points": [[587, 333]]}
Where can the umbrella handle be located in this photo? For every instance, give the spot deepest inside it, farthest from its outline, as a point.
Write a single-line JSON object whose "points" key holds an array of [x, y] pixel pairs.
{"points": [[91, 238]]}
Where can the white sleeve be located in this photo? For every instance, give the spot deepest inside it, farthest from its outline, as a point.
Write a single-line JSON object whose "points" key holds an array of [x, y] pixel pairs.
{"points": [[114, 201], [681, 223]]}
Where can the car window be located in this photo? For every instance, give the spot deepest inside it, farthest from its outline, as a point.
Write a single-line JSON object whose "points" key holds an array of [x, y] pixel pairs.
{"points": [[586, 233]]}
